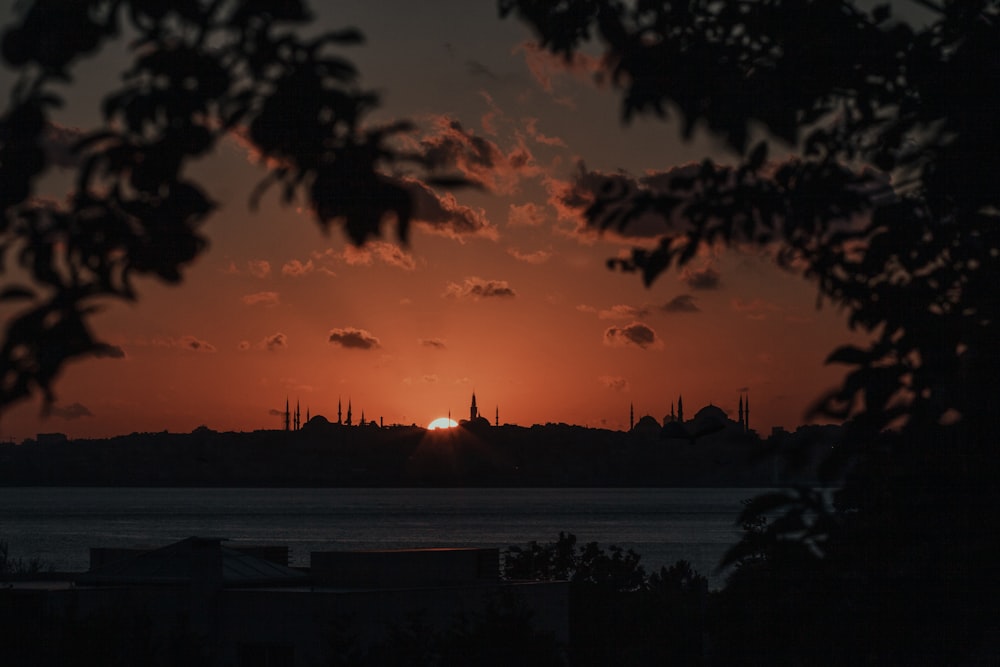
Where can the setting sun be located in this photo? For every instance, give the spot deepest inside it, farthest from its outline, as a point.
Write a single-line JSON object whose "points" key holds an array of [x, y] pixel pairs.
{"points": [[442, 422]]}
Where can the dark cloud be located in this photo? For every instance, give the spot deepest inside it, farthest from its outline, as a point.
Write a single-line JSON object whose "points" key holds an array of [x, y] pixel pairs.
{"points": [[621, 194], [444, 216], [71, 411], [358, 339], [477, 288], [276, 413], [476, 68], [278, 341], [435, 343], [683, 303], [703, 278], [479, 159], [635, 334], [105, 351], [189, 343]]}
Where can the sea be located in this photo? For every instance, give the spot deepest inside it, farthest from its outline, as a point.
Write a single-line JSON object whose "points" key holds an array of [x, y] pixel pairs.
{"points": [[58, 525]]}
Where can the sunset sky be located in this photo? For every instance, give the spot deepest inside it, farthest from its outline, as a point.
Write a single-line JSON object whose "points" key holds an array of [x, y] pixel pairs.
{"points": [[502, 291]]}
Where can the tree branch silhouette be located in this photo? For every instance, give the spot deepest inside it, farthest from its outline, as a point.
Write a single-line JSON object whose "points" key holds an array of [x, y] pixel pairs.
{"points": [[201, 70], [890, 205]]}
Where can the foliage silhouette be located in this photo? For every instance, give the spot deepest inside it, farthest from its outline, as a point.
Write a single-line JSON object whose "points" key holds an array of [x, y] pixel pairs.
{"points": [[502, 633], [619, 615], [201, 70], [891, 207]]}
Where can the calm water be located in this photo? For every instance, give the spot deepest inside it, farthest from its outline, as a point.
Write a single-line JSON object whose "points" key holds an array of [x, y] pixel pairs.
{"points": [[663, 525]]}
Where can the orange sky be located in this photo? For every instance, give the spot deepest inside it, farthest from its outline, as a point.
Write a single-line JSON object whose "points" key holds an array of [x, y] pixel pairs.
{"points": [[501, 290]]}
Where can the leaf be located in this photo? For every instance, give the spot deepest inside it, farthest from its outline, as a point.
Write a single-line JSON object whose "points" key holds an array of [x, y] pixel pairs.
{"points": [[757, 156], [849, 354], [16, 292]]}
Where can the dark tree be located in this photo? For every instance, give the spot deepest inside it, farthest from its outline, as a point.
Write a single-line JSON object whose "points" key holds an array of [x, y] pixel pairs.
{"points": [[618, 614], [891, 207], [201, 69]]}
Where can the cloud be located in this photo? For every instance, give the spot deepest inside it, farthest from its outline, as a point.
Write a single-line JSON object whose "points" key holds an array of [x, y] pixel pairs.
{"points": [[195, 345], [635, 334], [296, 269], [261, 298], [435, 343], [622, 312], [71, 411], [703, 278], [546, 66], [476, 68], [106, 351], [276, 413], [383, 251], [682, 303], [476, 288], [614, 382], [536, 257], [531, 128], [274, 342], [351, 338], [189, 343], [618, 193], [244, 345], [430, 379], [479, 159], [442, 215], [259, 268], [584, 308], [525, 215]]}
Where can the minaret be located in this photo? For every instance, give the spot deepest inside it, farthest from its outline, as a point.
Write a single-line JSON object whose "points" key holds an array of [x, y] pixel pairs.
{"points": [[348, 412], [298, 416], [673, 416], [746, 415], [307, 414], [742, 423], [631, 416], [340, 419], [288, 425], [362, 422], [473, 410], [680, 409], [496, 421]]}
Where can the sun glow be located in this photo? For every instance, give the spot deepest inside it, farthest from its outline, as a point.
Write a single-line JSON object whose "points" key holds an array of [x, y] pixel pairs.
{"points": [[442, 422]]}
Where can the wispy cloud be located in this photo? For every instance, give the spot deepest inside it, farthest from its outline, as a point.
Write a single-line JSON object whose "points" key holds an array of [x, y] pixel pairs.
{"points": [[297, 269], [71, 411], [682, 303], [622, 312], [614, 382], [536, 257], [189, 343], [525, 215], [476, 288], [434, 343], [261, 299]]}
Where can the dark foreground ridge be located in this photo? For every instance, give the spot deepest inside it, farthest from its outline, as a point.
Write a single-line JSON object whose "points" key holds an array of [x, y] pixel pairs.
{"points": [[327, 454]]}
